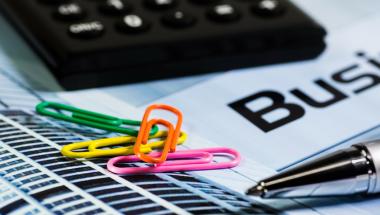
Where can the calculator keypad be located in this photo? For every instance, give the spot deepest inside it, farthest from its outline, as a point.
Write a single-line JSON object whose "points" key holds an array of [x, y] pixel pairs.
{"points": [[89, 43], [168, 12]]}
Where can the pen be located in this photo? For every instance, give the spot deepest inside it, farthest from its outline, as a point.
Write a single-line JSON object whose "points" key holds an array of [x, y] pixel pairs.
{"points": [[355, 170]]}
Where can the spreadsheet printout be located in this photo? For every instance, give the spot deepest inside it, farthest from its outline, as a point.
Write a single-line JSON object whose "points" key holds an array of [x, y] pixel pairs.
{"points": [[36, 179]]}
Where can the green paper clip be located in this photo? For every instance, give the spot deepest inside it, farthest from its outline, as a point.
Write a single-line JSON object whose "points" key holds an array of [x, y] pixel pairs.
{"points": [[89, 118]]}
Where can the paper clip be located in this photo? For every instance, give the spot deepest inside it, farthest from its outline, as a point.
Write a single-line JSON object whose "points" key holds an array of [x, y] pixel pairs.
{"points": [[94, 146], [189, 160], [146, 126], [89, 118]]}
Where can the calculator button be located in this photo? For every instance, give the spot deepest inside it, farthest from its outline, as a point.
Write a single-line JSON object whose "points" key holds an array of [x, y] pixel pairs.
{"points": [[205, 1], [133, 24], [178, 19], [52, 2], [70, 11], [268, 8], [115, 7], [160, 4], [223, 13], [86, 30]]}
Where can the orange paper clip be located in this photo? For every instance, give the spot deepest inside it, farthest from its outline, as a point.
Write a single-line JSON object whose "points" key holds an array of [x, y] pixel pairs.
{"points": [[146, 126]]}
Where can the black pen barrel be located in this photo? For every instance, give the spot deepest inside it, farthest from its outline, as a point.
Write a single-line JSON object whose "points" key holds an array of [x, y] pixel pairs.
{"points": [[344, 172]]}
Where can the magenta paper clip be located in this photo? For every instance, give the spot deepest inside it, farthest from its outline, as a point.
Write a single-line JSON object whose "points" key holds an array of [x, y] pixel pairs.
{"points": [[190, 160]]}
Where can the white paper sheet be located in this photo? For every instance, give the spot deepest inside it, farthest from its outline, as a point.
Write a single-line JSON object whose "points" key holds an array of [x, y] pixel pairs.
{"points": [[209, 114], [355, 117]]}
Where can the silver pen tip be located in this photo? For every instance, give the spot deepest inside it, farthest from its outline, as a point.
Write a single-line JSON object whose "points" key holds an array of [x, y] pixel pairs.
{"points": [[257, 190]]}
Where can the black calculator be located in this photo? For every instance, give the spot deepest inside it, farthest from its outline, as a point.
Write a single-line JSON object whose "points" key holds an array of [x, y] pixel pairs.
{"points": [[92, 43]]}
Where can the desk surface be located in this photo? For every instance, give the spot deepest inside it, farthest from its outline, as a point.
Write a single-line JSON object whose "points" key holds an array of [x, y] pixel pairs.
{"points": [[18, 60]]}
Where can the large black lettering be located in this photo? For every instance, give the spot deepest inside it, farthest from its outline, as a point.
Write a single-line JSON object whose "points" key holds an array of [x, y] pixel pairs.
{"points": [[336, 95], [339, 77], [370, 60], [278, 102]]}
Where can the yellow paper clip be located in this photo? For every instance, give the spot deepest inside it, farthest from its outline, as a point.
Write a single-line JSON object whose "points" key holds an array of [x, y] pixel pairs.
{"points": [[94, 146]]}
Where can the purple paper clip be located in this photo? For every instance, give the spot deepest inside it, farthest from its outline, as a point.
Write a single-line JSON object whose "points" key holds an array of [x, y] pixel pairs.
{"points": [[190, 160]]}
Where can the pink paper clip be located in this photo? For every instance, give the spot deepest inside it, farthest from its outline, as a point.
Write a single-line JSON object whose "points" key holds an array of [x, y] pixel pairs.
{"points": [[190, 160]]}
